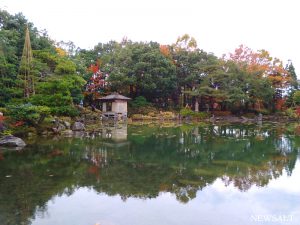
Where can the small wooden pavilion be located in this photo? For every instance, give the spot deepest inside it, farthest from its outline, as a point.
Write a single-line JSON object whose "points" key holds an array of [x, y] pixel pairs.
{"points": [[114, 106]]}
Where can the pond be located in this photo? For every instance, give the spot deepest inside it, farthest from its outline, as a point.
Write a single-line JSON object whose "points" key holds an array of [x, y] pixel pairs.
{"points": [[155, 175]]}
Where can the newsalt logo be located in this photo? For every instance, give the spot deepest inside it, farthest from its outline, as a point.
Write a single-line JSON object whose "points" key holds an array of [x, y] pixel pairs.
{"points": [[279, 218]]}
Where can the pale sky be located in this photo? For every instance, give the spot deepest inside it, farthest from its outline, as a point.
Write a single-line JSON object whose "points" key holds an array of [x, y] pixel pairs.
{"points": [[219, 26]]}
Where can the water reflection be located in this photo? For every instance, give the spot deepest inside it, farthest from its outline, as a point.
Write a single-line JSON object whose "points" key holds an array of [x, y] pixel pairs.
{"points": [[117, 133], [142, 162]]}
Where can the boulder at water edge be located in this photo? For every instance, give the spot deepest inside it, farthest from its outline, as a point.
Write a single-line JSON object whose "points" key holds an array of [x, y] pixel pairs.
{"points": [[78, 126], [12, 141]]}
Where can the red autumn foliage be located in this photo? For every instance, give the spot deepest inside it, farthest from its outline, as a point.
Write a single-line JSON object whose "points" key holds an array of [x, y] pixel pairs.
{"points": [[18, 123], [56, 152], [93, 170], [93, 68], [280, 104], [97, 85], [2, 118], [298, 111]]}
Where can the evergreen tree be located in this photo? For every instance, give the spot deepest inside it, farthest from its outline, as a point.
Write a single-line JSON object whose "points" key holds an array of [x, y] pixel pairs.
{"points": [[291, 69]]}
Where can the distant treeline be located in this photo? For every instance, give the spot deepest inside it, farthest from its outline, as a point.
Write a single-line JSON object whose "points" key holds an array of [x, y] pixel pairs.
{"points": [[168, 76]]}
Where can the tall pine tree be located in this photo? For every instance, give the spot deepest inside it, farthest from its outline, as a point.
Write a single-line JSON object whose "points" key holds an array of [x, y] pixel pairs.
{"points": [[291, 69]]}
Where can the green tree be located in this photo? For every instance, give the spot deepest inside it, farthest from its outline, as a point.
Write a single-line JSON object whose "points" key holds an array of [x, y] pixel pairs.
{"points": [[137, 69], [65, 67], [192, 66], [60, 93], [233, 88], [12, 37], [296, 98], [294, 81]]}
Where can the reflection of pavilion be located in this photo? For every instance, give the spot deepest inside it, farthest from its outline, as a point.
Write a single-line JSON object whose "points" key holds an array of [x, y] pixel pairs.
{"points": [[115, 136]]}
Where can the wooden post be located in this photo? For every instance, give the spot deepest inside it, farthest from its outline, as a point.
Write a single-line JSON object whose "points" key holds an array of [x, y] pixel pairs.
{"points": [[104, 107]]}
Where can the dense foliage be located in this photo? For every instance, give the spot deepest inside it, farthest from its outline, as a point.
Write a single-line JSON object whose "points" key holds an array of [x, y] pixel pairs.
{"points": [[30, 114], [181, 75], [56, 81], [168, 76]]}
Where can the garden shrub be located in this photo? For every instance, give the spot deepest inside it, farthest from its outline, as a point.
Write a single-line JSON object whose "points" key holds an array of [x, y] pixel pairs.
{"points": [[28, 113], [264, 111], [291, 113], [140, 101], [64, 111], [201, 115], [186, 112], [3, 110]]}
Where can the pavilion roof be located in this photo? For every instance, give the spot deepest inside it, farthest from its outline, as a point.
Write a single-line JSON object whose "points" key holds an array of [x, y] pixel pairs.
{"points": [[114, 96]]}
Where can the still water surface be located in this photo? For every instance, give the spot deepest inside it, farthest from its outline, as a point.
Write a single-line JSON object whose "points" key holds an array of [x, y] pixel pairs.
{"points": [[155, 175]]}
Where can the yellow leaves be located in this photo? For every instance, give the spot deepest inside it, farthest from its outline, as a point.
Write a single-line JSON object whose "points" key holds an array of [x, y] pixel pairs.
{"points": [[263, 54], [278, 80], [100, 62], [61, 52], [185, 42]]}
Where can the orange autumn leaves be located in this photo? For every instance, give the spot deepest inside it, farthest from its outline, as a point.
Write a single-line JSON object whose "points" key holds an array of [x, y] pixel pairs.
{"points": [[165, 50], [261, 64]]}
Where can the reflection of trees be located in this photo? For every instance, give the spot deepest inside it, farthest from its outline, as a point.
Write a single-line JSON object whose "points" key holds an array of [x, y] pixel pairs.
{"points": [[31, 183], [250, 155], [181, 160], [250, 175]]}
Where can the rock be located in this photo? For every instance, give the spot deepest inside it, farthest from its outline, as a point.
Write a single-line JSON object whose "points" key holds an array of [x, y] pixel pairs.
{"points": [[67, 133], [56, 121], [60, 127], [44, 133], [78, 126], [212, 118], [55, 131], [67, 124], [244, 119], [78, 134], [31, 134], [260, 117], [12, 141]]}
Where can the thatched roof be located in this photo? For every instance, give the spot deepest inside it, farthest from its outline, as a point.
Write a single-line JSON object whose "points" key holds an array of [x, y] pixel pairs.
{"points": [[114, 96]]}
